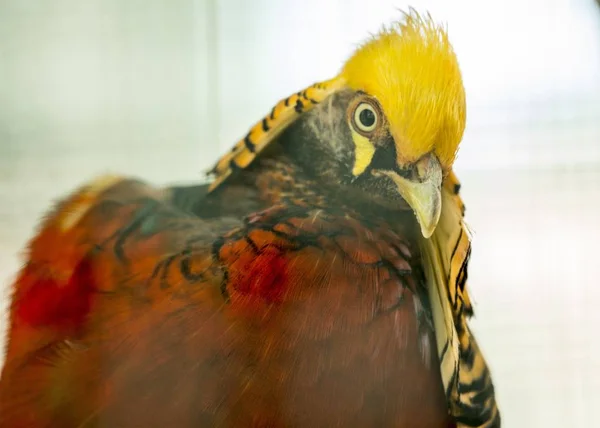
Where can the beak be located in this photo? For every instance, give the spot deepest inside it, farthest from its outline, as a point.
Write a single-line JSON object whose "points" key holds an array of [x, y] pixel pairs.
{"points": [[422, 193]]}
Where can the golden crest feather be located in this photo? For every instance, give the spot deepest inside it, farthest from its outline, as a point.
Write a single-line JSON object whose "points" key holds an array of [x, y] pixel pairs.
{"points": [[412, 70]]}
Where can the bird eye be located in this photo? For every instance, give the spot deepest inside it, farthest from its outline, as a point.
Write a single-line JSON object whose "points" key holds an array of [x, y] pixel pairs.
{"points": [[365, 117]]}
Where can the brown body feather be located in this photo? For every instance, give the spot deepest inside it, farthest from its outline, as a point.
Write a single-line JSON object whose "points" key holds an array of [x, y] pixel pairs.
{"points": [[300, 315]]}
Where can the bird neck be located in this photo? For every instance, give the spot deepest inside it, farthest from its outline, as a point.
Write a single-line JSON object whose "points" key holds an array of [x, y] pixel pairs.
{"points": [[277, 179]]}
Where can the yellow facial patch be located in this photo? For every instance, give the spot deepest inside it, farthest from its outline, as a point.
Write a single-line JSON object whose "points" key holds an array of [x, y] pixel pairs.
{"points": [[363, 153], [412, 70]]}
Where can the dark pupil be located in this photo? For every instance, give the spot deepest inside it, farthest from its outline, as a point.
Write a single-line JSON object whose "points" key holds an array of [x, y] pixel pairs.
{"points": [[367, 118]]}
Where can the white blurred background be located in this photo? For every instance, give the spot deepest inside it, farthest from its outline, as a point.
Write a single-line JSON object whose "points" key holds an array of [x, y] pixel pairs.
{"points": [[159, 89]]}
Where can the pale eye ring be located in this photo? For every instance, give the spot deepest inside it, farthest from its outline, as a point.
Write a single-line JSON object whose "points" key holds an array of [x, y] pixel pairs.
{"points": [[365, 117]]}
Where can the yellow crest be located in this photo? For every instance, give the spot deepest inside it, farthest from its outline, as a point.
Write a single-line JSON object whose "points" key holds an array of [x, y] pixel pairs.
{"points": [[412, 70]]}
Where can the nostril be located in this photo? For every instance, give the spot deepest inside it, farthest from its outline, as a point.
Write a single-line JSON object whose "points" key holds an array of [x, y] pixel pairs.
{"points": [[410, 172], [425, 166]]}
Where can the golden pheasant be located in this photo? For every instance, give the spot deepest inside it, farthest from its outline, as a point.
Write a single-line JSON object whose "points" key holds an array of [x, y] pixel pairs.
{"points": [[317, 281]]}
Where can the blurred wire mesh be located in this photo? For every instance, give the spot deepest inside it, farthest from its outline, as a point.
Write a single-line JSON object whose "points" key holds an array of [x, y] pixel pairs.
{"points": [[158, 90]]}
